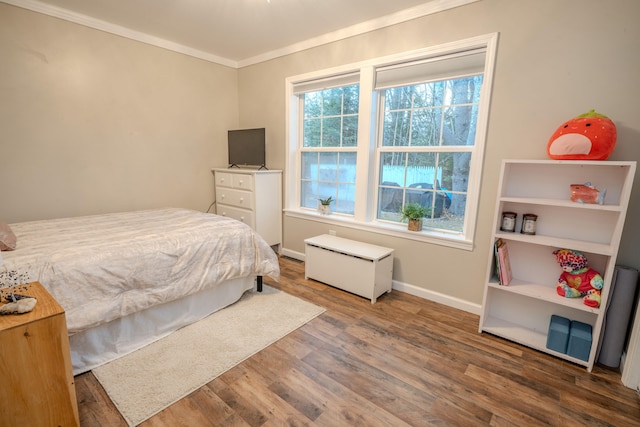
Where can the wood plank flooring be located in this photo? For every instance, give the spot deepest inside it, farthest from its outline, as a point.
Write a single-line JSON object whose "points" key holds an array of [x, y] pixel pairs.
{"points": [[403, 361]]}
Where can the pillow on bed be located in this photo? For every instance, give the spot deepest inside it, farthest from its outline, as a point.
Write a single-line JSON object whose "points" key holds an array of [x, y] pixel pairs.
{"points": [[7, 238]]}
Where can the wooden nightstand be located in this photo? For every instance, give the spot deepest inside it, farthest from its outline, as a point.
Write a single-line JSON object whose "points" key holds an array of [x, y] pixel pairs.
{"points": [[35, 365]]}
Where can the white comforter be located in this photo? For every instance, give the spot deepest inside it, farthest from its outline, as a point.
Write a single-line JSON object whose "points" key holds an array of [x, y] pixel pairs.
{"points": [[103, 267]]}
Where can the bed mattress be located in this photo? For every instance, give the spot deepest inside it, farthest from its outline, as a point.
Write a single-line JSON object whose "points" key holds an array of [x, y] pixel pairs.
{"points": [[105, 267]]}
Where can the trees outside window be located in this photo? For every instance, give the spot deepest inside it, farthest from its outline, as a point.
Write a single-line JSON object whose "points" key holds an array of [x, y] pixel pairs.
{"points": [[422, 124]]}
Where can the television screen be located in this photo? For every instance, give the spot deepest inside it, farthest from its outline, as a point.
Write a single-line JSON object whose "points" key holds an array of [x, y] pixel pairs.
{"points": [[247, 147]]}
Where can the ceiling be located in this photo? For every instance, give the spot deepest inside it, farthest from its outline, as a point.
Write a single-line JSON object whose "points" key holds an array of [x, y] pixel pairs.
{"points": [[237, 32]]}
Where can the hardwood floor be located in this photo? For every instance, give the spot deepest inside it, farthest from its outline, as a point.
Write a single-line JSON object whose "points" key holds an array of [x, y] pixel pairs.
{"points": [[403, 361]]}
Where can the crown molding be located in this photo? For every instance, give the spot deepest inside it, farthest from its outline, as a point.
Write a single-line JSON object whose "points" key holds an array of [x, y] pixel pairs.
{"points": [[87, 21], [427, 8]]}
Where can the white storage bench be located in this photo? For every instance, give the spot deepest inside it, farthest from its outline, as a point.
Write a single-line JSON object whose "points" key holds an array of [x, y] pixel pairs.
{"points": [[356, 267]]}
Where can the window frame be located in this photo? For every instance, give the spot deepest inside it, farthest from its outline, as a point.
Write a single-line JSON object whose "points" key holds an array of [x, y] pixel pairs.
{"points": [[367, 154]]}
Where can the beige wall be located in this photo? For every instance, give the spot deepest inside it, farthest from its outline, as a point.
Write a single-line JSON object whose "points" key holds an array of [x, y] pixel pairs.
{"points": [[91, 122], [556, 59]]}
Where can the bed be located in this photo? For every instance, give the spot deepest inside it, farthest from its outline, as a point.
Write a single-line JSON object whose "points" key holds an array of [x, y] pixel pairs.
{"points": [[128, 279]]}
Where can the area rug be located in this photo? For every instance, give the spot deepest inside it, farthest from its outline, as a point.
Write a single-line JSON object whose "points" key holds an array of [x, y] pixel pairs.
{"points": [[146, 381]]}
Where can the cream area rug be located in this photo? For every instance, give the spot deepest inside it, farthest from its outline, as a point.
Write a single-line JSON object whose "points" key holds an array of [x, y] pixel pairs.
{"points": [[143, 383]]}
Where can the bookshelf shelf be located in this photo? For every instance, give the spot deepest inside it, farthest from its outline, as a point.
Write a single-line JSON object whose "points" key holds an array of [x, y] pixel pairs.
{"points": [[525, 336], [521, 311], [579, 245], [543, 292]]}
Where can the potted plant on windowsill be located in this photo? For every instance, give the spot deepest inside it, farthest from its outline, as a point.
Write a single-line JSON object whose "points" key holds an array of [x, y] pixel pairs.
{"points": [[325, 206], [414, 212]]}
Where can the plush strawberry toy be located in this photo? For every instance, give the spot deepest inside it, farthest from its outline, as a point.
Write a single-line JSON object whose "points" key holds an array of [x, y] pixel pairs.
{"points": [[577, 279], [590, 136]]}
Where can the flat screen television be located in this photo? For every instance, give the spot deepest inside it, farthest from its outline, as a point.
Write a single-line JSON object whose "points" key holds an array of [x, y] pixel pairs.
{"points": [[247, 147]]}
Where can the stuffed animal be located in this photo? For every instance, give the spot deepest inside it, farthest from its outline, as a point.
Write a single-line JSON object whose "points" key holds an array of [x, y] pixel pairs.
{"points": [[590, 136], [577, 279]]}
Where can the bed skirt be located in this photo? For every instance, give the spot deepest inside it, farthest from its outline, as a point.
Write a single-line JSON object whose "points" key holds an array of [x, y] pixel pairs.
{"points": [[97, 346]]}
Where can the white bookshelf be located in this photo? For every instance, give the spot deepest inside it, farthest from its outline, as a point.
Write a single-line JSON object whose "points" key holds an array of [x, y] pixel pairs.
{"points": [[521, 311]]}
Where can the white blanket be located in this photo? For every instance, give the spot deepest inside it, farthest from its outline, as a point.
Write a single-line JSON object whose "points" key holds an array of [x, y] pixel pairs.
{"points": [[103, 267]]}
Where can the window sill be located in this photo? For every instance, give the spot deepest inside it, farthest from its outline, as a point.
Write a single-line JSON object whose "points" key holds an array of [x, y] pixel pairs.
{"points": [[398, 231]]}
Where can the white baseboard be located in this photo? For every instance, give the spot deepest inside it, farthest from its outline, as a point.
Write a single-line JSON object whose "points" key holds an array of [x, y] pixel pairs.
{"points": [[438, 297], [413, 290], [292, 254]]}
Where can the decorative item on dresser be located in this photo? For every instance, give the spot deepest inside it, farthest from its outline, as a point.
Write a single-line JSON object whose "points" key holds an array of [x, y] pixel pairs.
{"points": [[253, 197], [35, 365], [527, 311]]}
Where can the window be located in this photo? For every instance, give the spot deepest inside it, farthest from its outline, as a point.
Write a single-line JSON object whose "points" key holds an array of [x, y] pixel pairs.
{"points": [[378, 135], [427, 137], [329, 140]]}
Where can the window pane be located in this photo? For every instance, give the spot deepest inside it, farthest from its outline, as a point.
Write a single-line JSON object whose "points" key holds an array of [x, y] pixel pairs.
{"points": [[346, 198], [421, 168], [310, 166], [351, 99], [460, 126], [347, 167], [396, 129], [328, 167], [312, 135], [326, 190], [425, 127], [312, 105], [429, 95], [332, 102], [389, 201], [308, 194], [454, 171], [462, 91], [449, 222], [350, 131], [398, 98], [331, 132], [392, 168]]}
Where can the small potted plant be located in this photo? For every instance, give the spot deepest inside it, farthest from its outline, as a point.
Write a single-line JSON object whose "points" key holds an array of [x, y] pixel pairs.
{"points": [[325, 205], [414, 212]]}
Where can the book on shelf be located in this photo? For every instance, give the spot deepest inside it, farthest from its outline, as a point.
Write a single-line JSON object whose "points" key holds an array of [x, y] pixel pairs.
{"points": [[503, 262], [496, 264]]}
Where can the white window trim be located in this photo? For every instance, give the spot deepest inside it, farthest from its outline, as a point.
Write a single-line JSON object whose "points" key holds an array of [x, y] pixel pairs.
{"points": [[362, 218]]}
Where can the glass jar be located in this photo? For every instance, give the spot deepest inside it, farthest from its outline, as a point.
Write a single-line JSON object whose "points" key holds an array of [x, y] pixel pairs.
{"points": [[508, 222], [529, 224]]}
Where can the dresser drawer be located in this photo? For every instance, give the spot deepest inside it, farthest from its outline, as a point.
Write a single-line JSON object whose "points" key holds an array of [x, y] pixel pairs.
{"points": [[238, 198], [242, 215], [243, 181], [224, 179]]}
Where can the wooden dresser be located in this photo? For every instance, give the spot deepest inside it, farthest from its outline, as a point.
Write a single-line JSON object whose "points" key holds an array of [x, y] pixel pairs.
{"points": [[37, 387]]}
